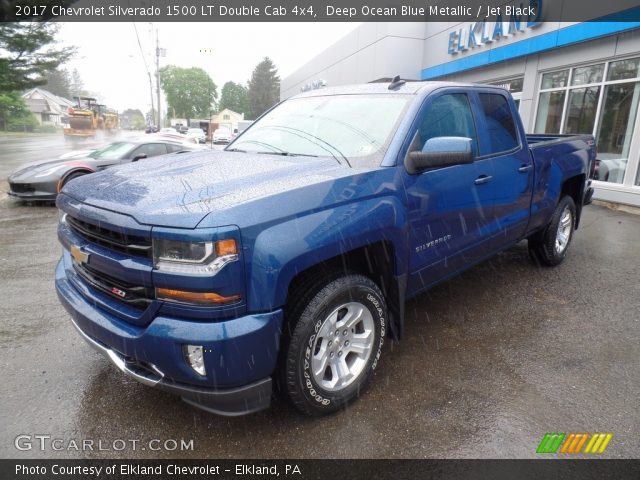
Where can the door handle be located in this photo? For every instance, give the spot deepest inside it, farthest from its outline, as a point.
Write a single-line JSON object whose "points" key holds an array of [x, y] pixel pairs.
{"points": [[525, 168], [483, 179]]}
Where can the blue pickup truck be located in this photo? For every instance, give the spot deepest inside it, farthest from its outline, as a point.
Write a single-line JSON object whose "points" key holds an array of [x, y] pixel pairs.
{"points": [[284, 261]]}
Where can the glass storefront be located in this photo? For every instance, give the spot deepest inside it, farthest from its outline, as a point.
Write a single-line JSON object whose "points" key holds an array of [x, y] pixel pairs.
{"points": [[600, 99]]}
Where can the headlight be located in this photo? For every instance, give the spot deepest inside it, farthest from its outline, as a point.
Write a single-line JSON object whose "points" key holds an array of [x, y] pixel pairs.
{"points": [[206, 258]]}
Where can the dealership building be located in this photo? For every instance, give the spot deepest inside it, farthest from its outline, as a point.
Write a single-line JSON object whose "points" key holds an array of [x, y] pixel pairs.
{"points": [[566, 77]]}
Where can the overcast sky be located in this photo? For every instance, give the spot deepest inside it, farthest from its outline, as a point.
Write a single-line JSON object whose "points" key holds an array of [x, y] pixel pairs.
{"points": [[110, 61]]}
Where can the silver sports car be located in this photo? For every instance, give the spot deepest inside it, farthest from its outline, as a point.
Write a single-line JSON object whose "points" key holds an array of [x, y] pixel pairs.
{"points": [[43, 181]]}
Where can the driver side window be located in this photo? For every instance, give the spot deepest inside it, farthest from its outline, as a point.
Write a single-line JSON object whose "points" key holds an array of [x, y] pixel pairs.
{"points": [[448, 116], [150, 149]]}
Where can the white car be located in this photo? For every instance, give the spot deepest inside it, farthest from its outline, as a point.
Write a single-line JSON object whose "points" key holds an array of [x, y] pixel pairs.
{"points": [[222, 135], [198, 134]]}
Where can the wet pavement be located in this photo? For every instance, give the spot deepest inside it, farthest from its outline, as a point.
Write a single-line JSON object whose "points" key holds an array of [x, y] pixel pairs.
{"points": [[491, 361]]}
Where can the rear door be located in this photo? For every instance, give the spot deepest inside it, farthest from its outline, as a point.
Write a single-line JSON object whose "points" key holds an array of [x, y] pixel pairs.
{"points": [[448, 207], [503, 144]]}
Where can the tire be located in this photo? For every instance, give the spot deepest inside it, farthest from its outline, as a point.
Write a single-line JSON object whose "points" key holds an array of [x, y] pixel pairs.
{"points": [[550, 247], [349, 359], [70, 177]]}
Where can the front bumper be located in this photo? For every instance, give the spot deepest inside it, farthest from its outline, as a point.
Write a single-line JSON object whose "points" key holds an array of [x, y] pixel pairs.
{"points": [[242, 352], [35, 191]]}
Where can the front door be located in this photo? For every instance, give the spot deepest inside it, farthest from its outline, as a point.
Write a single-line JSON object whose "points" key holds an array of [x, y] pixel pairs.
{"points": [[448, 208]]}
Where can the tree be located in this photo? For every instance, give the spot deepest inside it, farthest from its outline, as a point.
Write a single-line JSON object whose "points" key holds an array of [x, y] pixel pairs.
{"points": [[14, 114], [234, 97], [77, 85], [264, 88], [58, 83], [190, 92], [27, 54], [132, 119]]}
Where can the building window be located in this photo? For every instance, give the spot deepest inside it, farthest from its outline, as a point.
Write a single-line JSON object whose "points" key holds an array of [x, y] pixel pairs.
{"points": [[513, 85], [600, 99], [226, 117]]}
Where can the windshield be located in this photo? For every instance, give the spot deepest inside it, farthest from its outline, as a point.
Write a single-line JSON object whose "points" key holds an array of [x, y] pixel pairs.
{"points": [[354, 129], [113, 151]]}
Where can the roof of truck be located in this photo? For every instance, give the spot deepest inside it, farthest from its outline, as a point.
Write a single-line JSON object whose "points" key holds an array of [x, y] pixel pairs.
{"points": [[409, 88]]}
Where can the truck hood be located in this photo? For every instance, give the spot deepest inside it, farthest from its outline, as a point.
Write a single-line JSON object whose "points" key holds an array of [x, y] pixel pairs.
{"points": [[179, 190]]}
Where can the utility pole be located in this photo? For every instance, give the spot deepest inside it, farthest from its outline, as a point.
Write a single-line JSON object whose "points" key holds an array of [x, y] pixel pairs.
{"points": [[151, 92], [158, 78]]}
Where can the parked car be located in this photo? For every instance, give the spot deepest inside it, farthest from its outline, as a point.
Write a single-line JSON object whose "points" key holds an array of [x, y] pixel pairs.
{"points": [[43, 181], [290, 254], [222, 135], [151, 129], [198, 134]]}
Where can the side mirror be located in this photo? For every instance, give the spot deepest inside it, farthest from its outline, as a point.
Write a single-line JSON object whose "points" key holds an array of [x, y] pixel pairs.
{"points": [[139, 157], [440, 152]]}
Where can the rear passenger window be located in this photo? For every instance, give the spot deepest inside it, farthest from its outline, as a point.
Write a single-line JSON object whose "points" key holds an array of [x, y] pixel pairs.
{"points": [[448, 116], [502, 129], [172, 148]]}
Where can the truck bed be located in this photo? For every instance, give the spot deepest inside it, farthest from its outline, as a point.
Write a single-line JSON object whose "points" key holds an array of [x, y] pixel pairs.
{"points": [[536, 140]]}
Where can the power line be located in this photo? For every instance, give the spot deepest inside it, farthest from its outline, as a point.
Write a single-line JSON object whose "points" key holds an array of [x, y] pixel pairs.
{"points": [[140, 46]]}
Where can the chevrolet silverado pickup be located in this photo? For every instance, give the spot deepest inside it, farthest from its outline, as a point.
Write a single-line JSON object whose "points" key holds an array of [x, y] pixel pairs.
{"points": [[284, 261]]}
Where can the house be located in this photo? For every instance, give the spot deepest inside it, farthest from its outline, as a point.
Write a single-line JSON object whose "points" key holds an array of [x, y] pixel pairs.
{"points": [[227, 117], [47, 107]]}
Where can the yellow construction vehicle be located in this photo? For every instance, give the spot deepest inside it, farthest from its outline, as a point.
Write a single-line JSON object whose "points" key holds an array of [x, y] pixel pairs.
{"points": [[88, 117]]}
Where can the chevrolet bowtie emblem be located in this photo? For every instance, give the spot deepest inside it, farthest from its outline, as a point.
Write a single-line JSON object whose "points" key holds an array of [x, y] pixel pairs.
{"points": [[79, 255]]}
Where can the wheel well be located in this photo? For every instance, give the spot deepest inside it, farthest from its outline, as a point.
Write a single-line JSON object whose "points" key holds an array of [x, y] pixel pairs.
{"points": [[574, 187], [66, 176], [377, 262]]}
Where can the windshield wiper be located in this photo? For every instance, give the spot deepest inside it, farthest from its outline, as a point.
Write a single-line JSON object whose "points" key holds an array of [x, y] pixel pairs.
{"points": [[299, 132], [288, 154]]}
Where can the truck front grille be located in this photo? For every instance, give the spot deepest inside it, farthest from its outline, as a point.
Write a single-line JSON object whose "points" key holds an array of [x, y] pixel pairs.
{"points": [[129, 244], [135, 296]]}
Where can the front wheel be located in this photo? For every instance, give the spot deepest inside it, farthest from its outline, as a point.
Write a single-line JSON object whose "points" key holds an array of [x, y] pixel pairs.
{"points": [[337, 340], [550, 247]]}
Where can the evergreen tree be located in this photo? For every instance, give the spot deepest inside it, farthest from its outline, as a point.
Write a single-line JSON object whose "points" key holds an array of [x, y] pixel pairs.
{"points": [[59, 83], [28, 54], [264, 88], [77, 85]]}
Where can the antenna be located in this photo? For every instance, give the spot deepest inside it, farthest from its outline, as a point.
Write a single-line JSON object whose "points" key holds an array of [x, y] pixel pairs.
{"points": [[396, 83]]}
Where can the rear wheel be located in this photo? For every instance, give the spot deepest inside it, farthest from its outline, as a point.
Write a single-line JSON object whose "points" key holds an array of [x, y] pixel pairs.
{"points": [[338, 333], [550, 247]]}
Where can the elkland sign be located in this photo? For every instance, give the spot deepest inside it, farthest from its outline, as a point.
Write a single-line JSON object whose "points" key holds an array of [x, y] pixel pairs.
{"points": [[509, 20]]}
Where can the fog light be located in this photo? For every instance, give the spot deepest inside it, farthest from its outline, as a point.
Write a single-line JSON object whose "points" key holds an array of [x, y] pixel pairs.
{"points": [[194, 355]]}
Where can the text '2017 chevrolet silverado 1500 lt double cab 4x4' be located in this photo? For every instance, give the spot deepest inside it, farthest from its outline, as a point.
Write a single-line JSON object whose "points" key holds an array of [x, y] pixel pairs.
{"points": [[286, 259]]}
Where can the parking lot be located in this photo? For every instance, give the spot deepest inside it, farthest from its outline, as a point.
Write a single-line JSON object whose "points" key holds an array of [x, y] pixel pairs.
{"points": [[491, 360]]}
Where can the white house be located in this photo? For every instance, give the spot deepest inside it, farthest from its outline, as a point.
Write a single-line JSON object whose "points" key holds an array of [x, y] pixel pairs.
{"points": [[46, 106]]}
